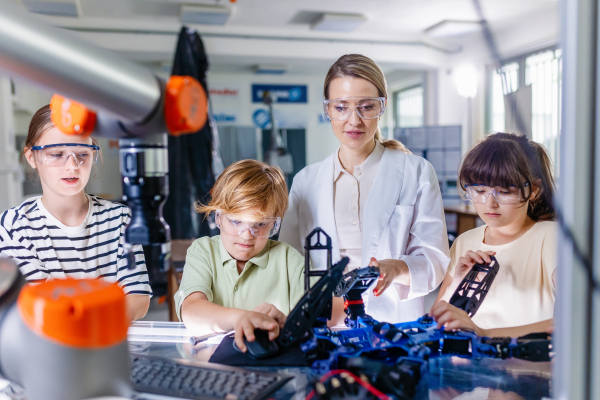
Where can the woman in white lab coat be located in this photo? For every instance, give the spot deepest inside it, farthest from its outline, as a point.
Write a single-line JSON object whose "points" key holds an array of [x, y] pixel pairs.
{"points": [[380, 204]]}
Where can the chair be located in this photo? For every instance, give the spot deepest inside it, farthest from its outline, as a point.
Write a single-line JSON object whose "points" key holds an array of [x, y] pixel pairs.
{"points": [[178, 252]]}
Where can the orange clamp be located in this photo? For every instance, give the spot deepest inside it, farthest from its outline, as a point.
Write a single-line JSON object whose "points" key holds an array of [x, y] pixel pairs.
{"points": [[71, 117], [85, 313], [186, 105]]}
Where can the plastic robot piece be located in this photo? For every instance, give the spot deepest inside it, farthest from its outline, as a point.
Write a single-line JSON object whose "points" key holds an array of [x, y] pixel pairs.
{"points": [[474, 287], [351, 288]]}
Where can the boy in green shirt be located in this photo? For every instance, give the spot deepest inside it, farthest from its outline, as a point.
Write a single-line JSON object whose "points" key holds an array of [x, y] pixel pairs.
{"points": [[240, 279]]}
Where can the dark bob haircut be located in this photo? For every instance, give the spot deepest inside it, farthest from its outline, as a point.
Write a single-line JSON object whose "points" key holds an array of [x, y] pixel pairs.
{"points": [[509, 159]]}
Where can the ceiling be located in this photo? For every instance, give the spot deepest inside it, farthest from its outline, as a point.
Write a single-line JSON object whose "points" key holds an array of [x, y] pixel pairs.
{"points": [[387, 22]]}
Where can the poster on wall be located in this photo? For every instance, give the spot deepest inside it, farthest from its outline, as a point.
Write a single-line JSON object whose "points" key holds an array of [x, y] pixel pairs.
{"points": [[281, 93]]}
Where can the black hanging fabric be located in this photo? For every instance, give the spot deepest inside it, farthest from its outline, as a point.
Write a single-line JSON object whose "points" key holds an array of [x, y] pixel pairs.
{"points": [[190, 156]]}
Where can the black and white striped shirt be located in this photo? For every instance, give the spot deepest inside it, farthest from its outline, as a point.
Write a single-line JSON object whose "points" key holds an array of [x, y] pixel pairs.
{"points": [[44, 248]]}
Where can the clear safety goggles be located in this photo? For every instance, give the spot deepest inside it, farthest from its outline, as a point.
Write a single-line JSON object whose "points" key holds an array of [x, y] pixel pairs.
{"points": [[480, 194], [366, 107], [58, 154], [233, 225]]}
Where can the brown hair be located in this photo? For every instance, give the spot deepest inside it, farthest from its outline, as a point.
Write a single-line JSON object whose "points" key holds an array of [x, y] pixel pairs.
{"points": [[248, 185], [359, 66], [509, 159], [40, 123]]}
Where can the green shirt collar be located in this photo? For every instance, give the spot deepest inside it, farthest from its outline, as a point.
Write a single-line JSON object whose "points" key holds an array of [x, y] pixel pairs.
{"points": [[261, 259]]}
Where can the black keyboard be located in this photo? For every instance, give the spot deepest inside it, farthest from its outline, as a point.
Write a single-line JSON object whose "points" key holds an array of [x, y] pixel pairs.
{"points": [[187, 380]]}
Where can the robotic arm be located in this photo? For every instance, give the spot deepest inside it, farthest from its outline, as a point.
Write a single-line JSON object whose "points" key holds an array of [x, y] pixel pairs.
{"points": [[129, 102]]}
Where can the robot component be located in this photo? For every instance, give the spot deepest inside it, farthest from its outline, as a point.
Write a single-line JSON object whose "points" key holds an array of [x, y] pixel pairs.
{"points": [[63, 339], [475, 286], [393, 357], [351, 288]]}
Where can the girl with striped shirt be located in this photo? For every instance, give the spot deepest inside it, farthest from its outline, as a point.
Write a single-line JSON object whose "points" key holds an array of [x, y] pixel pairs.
{"points": [[66, 233]]}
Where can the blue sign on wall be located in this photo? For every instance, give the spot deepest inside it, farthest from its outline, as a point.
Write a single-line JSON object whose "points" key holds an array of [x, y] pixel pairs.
{"points": [[281, 93], [261, 118]]}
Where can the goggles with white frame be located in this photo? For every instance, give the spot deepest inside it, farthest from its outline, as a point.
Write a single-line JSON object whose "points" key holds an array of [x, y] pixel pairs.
{"points": [[481, 193], [58, 154], [366, 107], [234, 225]]}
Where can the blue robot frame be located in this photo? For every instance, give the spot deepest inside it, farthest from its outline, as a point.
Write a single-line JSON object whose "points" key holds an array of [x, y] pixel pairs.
{"points": [[392, 356]]}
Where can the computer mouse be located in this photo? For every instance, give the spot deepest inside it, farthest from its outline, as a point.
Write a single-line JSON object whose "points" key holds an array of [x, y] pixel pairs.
{"points": [[261, 347]]}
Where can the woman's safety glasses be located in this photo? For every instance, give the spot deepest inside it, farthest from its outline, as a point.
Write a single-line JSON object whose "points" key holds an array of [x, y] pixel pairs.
{"points": [[366, 107], [233, 225], [58, 154], [480, 194]]}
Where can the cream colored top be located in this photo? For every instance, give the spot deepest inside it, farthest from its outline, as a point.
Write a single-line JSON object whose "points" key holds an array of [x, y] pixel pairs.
{"points": [[350, 192], [523, 291]]}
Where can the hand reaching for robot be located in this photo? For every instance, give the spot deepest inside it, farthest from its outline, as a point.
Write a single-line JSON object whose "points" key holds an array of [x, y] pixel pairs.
{"points": [[391, 270], [465, 263], [273, 312], [453, 318], [250, 320]]}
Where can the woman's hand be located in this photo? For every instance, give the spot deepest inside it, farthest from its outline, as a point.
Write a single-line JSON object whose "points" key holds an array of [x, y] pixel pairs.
{"points": [[273, 312], [390, 270], [248, 322], [452, 318]]}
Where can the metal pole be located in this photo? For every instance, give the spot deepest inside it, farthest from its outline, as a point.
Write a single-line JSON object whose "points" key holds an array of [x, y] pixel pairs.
{"points": [[59, 61]]}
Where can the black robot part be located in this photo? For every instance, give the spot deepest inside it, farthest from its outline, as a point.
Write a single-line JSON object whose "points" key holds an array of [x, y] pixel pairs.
{"points": [[472, 291], [351, 288]]}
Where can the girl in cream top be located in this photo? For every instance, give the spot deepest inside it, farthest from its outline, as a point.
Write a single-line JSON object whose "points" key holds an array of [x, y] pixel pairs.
{"points": [[508, 178]]}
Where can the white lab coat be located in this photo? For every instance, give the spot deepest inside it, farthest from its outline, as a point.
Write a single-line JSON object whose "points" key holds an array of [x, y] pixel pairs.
{"points": [[403, 219]]}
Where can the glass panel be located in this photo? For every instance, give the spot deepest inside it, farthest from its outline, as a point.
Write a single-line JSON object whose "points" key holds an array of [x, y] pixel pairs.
{"points": [[409, 103]]}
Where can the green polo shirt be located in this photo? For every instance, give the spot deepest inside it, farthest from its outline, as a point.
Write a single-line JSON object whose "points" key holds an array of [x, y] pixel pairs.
{"points": [[275, 275]]}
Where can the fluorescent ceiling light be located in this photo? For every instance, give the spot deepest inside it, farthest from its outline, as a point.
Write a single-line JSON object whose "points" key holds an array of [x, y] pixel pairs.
{"points": [[275, 69], [65, 8], [449, 28], [206, 15], [338, 22]]}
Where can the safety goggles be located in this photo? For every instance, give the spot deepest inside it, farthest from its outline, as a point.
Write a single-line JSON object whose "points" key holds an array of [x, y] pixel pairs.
{"points": [[366, 107], [58, 154], [480, 194], [233, 225]]}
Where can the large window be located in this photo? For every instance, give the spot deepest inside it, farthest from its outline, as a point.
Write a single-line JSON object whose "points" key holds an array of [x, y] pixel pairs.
{"points": [[409, 107], [543, 71]]}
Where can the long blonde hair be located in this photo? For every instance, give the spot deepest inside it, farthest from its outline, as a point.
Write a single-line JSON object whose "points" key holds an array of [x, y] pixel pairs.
{"points": [[359, 66]]}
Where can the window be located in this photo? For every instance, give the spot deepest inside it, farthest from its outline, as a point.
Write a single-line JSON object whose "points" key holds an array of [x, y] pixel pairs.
{"points": [[409, 107], [543, 71]]}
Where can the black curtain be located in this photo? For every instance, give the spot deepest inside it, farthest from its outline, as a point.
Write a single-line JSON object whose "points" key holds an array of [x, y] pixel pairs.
{"points": [[190, 156]]}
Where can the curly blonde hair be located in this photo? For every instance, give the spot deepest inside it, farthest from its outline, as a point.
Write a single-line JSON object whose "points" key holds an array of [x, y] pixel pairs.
{"points": [[248, 186]]}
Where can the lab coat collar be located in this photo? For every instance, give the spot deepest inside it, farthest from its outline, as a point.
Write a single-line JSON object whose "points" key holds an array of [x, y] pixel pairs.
{"points": [[382, 201]]}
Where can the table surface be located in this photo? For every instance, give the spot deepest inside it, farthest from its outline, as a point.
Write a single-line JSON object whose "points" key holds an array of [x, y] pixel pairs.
{"points": [[447, 377]]}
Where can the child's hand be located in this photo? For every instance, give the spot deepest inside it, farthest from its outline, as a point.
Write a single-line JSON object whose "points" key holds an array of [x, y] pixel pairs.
{"points": [[251, 320], [452, 318], [389, 269], [465, 263], [273, 312]]}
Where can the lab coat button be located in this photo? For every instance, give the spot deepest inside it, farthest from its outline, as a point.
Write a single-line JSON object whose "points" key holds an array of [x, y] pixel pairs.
{"points": [[235, 288], [354, 222]]}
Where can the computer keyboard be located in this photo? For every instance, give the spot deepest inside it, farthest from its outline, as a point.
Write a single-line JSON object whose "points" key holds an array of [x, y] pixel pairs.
{"points": [[184, 379]]}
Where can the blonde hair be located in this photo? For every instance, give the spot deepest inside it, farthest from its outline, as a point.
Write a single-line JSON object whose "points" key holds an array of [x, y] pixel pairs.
{"points": [[359, 66], [248, 185]]}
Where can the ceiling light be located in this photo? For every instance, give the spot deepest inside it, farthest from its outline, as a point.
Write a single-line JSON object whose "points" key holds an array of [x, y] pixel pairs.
{"points": [[275, 69], [338, 22], [206, 15], [64, 8], [449, 28]]}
